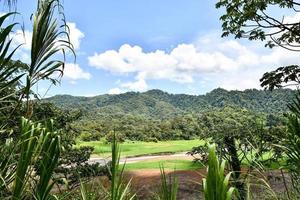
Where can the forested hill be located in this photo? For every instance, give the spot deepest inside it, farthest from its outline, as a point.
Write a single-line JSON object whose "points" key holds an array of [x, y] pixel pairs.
{"points": [[156, 103]]}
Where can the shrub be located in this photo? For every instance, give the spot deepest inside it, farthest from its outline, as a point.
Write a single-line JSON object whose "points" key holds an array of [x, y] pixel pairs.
{"points": [[216, 184], [88, 136]]}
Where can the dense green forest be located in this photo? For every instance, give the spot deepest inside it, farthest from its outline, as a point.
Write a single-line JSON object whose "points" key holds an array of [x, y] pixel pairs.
{"points": [[156, 115], [159, 104]]}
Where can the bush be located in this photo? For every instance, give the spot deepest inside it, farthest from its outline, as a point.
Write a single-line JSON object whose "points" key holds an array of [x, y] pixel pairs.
{"points": [[73, 165], [216, 184], [73, 174], [151, 139], [88, 136], [110, 137]]}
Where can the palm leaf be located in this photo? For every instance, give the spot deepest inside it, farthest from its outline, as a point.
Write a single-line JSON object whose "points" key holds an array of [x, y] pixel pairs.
{"points": [[40, 147], [50, 38]]}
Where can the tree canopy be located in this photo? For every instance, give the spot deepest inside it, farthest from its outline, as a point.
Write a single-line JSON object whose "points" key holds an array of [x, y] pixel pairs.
{"points": [[256, 20]]}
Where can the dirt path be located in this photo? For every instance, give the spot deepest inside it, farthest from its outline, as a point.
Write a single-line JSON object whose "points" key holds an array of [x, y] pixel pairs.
{"points": [[177, 156]]}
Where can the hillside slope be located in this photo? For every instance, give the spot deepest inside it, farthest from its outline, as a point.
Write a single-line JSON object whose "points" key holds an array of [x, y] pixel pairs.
{"points": [[159, 104]]}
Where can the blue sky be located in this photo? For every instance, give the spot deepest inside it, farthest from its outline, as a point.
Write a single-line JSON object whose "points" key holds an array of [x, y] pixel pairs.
{"points": [[137, 45]]}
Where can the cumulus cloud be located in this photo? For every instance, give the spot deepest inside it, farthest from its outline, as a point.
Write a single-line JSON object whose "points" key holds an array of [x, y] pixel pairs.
{"points": [[23, 38], [76, 35], [227, 63], [158, 64], [180, 65], [73, 72], [292, 19], [138, 85]]}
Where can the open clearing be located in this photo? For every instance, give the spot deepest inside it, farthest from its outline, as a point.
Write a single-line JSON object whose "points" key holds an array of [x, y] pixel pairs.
{"points": [[169, 162], [178, 161], [138, 148]]}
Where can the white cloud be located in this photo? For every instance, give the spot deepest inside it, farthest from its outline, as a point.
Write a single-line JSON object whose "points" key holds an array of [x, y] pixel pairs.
{"points": [[115, 91], [73, 72], [185, 59], [76, 35], [24, 38], [138, 85], [180, 65], [292, 19], [226, 63]]}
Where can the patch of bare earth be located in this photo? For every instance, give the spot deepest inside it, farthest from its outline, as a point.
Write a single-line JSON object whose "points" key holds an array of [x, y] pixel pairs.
{"points": [[147, 182]]}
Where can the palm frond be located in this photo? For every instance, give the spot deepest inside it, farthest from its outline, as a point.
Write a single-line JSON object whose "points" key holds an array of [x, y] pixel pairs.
{"points": [[8, 70], [50, 39], [40, 147]]}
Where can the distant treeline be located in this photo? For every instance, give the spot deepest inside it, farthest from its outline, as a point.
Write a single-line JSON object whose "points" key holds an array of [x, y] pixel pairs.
{"points": [[157, 115], [159, 104]]}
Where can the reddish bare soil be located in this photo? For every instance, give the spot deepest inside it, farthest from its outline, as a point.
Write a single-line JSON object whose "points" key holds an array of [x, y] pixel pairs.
{"points": [[147, 182]]}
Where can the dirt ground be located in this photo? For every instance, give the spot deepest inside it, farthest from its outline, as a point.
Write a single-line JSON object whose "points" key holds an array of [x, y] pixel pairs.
{"points": [[147, 182]]}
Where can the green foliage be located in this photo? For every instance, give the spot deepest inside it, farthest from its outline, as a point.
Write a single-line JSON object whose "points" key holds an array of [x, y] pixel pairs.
{"points": [[88, 136], [168, 187], [281, 77], [90, 191], [292, 142], [132, 117], [161, 105], [216, 184], [9, 76], [118, 189], [252, 20], [243, 136], [251, 133], [40, 147], [46, 43], [29, 153]]}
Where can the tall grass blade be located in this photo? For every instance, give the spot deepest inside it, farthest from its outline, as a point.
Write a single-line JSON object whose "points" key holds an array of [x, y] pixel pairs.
{"points": [[169, 186], [119, 190]]}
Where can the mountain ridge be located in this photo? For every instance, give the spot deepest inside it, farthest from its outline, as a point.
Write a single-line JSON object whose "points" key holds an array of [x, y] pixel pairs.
{"points": [[157, 103]]}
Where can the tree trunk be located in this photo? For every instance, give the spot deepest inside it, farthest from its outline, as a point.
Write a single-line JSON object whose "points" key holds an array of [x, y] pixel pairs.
{"points": [[235, 165]]}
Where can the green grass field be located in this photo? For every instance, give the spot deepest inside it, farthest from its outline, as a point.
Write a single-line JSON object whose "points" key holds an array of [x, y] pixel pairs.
{"points": [[168, 164], [143, 148]]}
